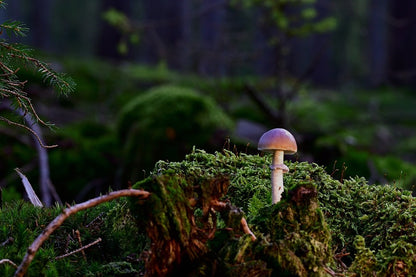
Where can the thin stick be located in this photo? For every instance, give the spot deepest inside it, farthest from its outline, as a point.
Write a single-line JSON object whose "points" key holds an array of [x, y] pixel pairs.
{"points": [[37, 243], [78, 234], [79, 250], [3, 261], [28, 129]]}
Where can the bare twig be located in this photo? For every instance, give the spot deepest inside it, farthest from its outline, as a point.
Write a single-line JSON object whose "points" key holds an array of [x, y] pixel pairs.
{"points": [[79, 250], [10, 122], [3, 261], [7, 241], [37, 243], [78, 234]]}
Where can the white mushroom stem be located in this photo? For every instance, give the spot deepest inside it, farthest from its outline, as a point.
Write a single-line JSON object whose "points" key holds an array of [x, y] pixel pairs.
{"points": [[277, 168]]}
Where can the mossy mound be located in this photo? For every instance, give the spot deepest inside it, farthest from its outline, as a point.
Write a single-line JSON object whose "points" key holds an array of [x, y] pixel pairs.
{"points": [[383, 215], [165, 123], [179, 218]]}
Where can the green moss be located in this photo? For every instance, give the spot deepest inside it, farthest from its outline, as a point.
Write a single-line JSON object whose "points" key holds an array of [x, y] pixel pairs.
{"points": [[318, 218], [365, 260], [384, 215], [188, 119], [121, 241]]}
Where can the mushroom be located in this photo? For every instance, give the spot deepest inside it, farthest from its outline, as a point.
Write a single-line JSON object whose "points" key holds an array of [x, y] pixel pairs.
{"points": [[279, 142]]}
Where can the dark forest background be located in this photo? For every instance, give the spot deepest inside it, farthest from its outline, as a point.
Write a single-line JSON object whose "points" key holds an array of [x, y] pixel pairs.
{"points": [[373, 43]]}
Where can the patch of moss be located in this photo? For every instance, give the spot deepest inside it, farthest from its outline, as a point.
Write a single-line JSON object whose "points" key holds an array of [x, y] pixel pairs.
{"points": [[121, 240], [384, 215]]}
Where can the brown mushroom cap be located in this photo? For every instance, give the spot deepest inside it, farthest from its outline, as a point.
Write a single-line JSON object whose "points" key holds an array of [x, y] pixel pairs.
{"points": [[278, 139]]}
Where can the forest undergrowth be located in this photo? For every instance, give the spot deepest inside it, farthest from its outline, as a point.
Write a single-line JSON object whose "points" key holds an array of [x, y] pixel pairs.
{"points": [[196, 213]]}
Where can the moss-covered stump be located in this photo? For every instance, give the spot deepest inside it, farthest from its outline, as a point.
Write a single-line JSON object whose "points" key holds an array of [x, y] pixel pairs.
{"points": [[180, 218], [384, 216], [190, 237], [300, 236], [295, 240]]}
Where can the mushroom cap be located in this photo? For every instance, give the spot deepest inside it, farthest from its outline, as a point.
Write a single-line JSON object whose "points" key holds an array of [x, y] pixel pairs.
{"points": [[278, 139]]}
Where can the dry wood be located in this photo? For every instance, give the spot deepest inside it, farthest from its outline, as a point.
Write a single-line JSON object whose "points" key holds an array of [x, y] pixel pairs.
{"points": [[79, 250], [29, 190], [3, 261]]}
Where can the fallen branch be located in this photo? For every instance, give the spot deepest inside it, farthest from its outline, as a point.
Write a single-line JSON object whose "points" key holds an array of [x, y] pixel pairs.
{"points": [[79, 250], [78, 234], [3, 261], [37, 243]]}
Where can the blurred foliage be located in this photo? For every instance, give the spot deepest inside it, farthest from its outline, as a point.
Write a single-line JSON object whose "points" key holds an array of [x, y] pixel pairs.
{"points": [[370, 132], [85, 162], [165, 123], [293, 18], [122, 23]]}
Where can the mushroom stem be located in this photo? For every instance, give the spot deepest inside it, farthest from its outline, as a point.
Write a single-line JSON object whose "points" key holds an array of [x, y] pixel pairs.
{"points": [[277, 176]]}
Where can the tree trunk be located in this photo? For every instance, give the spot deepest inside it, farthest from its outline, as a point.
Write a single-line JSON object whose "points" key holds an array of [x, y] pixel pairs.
{"points": [[402, 42], [377, 32], [40, 31]]}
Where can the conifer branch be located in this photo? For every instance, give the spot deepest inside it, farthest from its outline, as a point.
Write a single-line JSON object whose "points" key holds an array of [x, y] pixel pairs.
{"points": [[11, 87]]}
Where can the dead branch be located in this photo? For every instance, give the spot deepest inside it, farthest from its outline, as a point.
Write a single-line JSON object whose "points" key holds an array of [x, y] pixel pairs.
{"points": [[79, 250], [13, 123], [7, 241], [3, 261], [78, 234], [37, 243]]}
